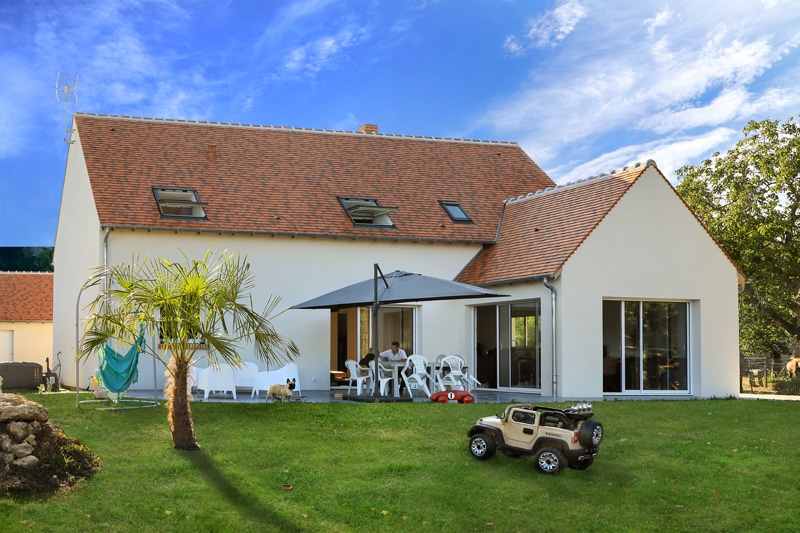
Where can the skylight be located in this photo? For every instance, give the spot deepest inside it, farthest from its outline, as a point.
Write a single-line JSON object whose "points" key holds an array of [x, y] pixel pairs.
{"points": [[367, 211], [179, 203], [456, 211]]}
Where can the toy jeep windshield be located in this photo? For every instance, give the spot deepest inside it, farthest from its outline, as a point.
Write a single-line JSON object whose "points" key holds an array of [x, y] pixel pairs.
{"points": [[557, 438]]}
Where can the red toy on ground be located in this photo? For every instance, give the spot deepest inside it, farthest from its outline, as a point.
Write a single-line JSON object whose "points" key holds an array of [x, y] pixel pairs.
{"points": [[445, 396]]}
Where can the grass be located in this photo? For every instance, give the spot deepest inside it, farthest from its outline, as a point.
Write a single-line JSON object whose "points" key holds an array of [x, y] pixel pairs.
{"points": [[703, 465]]}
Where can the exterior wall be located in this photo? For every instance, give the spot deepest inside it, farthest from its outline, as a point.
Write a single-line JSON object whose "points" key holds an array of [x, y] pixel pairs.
{"points": [[78, 249], [298, 269], [649, 247], [31, 342]]}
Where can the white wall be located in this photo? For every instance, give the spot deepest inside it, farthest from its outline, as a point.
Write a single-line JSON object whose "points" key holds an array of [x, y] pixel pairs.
{"points": [[77, 251], [649, 247], [298, 269], [30, 342]]}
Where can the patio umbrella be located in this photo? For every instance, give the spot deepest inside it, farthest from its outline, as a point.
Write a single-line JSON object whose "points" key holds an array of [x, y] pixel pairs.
{"points": [[396, 287]]}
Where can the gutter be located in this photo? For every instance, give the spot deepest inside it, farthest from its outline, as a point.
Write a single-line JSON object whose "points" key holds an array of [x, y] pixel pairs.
{"points": [[295, 234], [553, 344]]}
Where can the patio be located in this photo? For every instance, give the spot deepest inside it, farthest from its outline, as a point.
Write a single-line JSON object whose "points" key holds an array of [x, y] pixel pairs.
{"points": [[336, 394]]}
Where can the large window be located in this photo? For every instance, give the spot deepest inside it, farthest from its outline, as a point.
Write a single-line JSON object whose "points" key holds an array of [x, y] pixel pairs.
{"points": [[509, 345], [645, 346]]}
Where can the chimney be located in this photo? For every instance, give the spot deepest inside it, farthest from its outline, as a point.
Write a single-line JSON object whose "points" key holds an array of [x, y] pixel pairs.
{"points": [[368, 128], [211, 154]]}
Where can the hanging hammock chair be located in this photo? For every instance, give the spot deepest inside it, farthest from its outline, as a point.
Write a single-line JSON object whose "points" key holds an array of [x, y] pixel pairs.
{"points": [[117, 371]]}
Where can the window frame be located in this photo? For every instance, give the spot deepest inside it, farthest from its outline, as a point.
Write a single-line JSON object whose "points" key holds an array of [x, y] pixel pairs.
{"points": [[180, 198], [452, 208], [367, 212]]}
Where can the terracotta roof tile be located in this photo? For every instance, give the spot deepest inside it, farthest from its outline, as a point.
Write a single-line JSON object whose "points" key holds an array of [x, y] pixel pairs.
{"points": [[274, 180], [26, 296], [540, 231]]}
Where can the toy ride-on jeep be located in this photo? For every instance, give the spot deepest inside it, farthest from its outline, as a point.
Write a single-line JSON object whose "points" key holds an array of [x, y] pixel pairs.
{"points": [[557, 438]]}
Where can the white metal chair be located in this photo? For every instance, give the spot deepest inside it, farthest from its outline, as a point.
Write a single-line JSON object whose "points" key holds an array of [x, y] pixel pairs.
{"points": [[384, 378], [361, 376], [453, 374], [416, 371]]}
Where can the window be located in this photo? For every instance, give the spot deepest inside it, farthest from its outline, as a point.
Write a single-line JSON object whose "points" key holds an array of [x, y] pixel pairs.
{"points": [[456, 211], [367, 211], [179, 203], [645, 346]]}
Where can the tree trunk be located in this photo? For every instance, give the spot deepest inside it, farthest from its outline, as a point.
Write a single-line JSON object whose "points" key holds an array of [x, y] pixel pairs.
{"points": [[180, 414]]}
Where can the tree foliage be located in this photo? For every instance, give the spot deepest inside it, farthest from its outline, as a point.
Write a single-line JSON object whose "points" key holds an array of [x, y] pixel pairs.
{"points": [[181, 304], [749, 199]]}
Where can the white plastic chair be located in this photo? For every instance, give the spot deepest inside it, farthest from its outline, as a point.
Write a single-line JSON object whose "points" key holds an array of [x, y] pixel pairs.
{"points": [[453, 374], [245, 377], [217, 380], [361, 376], [416, 371], [264, 380], [384, 378]]}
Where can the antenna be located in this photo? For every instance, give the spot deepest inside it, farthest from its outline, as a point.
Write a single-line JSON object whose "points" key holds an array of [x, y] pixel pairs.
{"points": [[66, 87]]}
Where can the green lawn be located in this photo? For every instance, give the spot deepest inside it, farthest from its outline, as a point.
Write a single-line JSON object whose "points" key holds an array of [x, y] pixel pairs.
{"points": [[699, 466]]}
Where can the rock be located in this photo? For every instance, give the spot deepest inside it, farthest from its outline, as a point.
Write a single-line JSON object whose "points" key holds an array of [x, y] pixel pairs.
{"points": [[21, 450], [28, 461], [15, 407]]}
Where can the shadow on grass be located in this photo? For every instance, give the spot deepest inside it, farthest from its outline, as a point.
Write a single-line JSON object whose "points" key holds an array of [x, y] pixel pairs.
{"points": [[248, 505]]}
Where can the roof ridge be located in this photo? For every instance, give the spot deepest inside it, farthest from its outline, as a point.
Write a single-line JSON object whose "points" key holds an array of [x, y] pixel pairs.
{"points": [[582, 181], [295, 128]]}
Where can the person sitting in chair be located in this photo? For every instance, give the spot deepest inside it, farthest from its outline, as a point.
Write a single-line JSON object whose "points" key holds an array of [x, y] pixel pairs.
{"points": [[394, 353]]}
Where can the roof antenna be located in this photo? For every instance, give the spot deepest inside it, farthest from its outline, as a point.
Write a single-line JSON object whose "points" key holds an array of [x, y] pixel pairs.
{"points": [[66, 85]]}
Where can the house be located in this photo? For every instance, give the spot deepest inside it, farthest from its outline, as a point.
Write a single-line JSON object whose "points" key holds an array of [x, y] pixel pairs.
{"points": [[26, 317], [616, 288]]}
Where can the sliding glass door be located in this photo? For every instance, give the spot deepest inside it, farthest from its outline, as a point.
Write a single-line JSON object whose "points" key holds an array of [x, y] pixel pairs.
{"points": [[645, 346], [509, 345]]}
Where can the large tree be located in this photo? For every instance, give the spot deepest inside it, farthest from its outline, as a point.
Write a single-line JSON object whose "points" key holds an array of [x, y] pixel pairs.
{"points": [[749, 198], [181, 304]]}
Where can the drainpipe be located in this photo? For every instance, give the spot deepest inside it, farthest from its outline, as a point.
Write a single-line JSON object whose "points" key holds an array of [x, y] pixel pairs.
{"points": [[553, 321]]}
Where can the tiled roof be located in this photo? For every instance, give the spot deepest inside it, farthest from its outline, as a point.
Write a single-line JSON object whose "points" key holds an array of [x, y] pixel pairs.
{"points": [[542, 230], [26, 296], [284, 181]]}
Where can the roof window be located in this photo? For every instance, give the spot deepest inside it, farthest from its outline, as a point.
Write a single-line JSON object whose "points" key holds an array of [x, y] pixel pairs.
{"points": [[456, 211], [367, 211], [179, 203]]}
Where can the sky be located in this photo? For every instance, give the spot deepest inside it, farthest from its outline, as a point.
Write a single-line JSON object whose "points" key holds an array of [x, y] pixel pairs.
{"points": [[583, 86]]}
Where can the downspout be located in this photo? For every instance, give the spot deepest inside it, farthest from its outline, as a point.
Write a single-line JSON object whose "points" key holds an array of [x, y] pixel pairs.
{"points": [[105, 252], [553, 344]]}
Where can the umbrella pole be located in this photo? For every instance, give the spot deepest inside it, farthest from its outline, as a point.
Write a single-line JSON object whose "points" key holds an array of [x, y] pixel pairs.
{"points": [[375, 305]]}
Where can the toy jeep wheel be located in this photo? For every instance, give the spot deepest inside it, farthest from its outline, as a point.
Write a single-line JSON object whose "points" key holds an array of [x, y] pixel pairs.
{"points": [[590, 434], [550, 461], [482, 446]]}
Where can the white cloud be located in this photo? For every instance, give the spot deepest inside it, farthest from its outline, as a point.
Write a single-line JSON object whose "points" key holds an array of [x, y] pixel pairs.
{"points": [[670, 154], [665, 84], [323, 53], [660, 19], [548, 29]]}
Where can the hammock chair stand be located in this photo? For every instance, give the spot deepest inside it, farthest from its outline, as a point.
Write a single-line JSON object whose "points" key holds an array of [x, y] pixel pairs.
{"points": [[138, 403]]}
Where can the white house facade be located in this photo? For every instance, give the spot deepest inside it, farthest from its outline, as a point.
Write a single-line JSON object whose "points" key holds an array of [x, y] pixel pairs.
{"points": [[624, 274]]}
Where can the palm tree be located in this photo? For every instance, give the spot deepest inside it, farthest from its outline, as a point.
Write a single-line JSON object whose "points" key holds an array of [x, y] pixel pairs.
{"points": [[200, 302]]}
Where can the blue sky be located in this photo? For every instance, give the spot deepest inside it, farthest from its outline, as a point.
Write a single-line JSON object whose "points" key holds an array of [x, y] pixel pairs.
{"points": [[584, 86]]}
